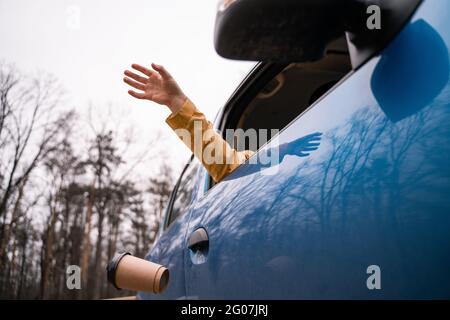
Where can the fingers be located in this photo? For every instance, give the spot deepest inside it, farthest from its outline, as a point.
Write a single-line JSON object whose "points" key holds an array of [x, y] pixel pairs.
{"points": [[303, 154], [142, 69], [161, 70], [136, 94], [134, 84], [158, 68], [309, 149], [313, 136], [135, 76], [313, 144]]}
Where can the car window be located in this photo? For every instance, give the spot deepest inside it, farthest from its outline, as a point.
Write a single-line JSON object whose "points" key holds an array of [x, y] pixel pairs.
{"points": [[282, 98], [290, 93], [182, 196]]}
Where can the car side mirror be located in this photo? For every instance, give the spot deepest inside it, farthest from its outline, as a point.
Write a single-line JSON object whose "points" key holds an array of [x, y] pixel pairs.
{"points": [[300, 30], [280, 30]]}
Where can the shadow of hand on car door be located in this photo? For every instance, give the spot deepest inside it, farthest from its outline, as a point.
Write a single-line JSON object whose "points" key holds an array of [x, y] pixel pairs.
{"points": [[271, 157]]}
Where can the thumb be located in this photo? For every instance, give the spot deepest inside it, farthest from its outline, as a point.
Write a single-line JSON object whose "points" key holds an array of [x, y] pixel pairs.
{"points": [[161, 70]]}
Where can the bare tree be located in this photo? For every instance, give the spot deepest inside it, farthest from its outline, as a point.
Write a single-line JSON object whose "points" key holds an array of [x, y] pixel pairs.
{"points": [[65, 198], [29, 128]]}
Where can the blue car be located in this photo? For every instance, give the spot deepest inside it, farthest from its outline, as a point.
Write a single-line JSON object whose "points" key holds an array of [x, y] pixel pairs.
{"points": [[367, 214]]}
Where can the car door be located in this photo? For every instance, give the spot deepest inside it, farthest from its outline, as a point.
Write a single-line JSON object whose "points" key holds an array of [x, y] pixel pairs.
{"points": [[367, 214]]}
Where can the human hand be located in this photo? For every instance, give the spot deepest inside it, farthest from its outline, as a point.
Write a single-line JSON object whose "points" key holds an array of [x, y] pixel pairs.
{"points": [[157, 85]]}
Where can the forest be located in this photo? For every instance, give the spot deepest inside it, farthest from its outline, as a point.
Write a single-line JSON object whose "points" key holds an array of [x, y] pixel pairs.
{"points": [[69, 194]]}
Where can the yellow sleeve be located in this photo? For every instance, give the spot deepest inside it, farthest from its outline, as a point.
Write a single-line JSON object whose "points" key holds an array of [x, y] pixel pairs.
{"points": [[198, 134]]}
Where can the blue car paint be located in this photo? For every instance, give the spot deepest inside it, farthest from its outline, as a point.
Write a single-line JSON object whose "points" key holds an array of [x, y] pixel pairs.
{"points": [[376, 192]]}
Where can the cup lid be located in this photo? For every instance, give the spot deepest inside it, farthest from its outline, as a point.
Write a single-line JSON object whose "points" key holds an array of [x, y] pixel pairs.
{"points": [[111, 268]]}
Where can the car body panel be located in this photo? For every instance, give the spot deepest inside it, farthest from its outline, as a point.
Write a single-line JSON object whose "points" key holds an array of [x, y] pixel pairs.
{"points": [[376, 192]]}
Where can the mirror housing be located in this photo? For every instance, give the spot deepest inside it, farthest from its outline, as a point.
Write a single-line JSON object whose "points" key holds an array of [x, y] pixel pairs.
{"points": [[300, 30], [280, 30]]}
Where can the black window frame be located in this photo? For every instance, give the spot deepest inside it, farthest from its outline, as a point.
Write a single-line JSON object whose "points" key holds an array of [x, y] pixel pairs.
{"points": [[173, 195], [253, 83]]}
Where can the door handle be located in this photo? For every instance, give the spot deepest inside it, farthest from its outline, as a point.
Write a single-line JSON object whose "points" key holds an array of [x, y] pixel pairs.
{"points": [[198, 240]]}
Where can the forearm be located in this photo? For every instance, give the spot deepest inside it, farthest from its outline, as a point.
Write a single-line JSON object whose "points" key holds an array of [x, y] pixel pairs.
{"points": [[198, 134]]}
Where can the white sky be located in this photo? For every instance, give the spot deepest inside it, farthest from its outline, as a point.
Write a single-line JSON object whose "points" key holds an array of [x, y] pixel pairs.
{"points": [[89, 58]]}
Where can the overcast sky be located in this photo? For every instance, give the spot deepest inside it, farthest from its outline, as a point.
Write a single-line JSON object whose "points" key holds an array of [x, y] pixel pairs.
{"points": [[87, 44]]}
